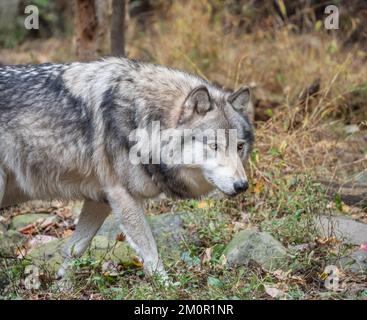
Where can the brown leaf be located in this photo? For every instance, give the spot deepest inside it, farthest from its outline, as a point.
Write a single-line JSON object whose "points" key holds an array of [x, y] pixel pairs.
{"points": [[29, 229], [66, 233]]}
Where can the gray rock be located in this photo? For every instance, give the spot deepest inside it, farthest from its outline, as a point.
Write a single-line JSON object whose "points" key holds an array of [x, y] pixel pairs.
{"points": [[251, 245], [168, 230], [26, 219], [48, 256], [10, 241], [356, 262], [343, 228]]}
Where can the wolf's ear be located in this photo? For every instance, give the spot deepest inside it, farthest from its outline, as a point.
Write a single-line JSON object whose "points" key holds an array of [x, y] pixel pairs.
{"points": [[241, 101], [198, 100]]}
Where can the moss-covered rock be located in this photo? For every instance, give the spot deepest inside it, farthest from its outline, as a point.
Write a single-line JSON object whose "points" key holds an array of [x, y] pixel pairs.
{"points": [[254, 246], [10, 241], [168, 230], [48, 256], [26, 219]]}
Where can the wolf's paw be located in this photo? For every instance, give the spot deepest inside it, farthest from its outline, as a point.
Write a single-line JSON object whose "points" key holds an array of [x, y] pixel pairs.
{"points": [[63, 279], [64, 285], [61, 273]]}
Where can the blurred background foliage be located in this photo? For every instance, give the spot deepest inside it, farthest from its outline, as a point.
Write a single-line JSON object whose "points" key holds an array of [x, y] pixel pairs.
{"points": [[239, 16]]}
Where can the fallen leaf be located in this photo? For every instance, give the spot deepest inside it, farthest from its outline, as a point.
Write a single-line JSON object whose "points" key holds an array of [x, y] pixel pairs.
{"points": [[67, 233], [259, 186], [203, 204], [28, 229], [207, 255], [327, 241], [346, 208]]}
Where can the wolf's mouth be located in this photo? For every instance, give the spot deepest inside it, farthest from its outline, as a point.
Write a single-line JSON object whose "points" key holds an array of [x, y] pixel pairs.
{"points": [[230, 194]]}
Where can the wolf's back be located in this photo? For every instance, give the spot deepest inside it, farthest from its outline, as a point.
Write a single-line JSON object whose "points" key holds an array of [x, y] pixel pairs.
{"points": [[29, 86], [39, 118]]}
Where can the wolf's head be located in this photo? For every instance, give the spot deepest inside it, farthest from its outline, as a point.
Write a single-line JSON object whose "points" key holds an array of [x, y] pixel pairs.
{"points": [[221, 138]]}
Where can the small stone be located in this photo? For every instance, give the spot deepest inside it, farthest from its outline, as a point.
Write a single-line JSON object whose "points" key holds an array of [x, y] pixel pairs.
{"points": [[251, 245]]}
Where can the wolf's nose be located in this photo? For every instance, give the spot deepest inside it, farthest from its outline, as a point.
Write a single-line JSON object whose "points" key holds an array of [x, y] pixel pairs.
{"points": [[240, 186]]}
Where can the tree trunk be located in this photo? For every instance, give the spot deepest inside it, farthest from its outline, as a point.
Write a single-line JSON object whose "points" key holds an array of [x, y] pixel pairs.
{"points": [[118, 27], [86, 26]]}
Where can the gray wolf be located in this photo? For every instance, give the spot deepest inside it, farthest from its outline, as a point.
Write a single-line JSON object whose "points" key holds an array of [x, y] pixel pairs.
{"points": [[64, 134]]}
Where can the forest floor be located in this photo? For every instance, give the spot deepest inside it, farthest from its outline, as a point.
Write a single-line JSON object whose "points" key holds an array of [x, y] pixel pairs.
{"points": [[311, 146]]}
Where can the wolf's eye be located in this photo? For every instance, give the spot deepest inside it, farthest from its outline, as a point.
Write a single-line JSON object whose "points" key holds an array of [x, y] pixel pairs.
{"points": [[240, 147], [213, 146]]}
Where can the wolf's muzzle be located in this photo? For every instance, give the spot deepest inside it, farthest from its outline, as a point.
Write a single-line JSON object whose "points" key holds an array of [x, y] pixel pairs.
{"points": [[240, 186]]}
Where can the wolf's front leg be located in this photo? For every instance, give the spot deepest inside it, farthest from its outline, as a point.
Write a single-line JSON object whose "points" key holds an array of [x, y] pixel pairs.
{"points": [[130, 214], [92, 216]]}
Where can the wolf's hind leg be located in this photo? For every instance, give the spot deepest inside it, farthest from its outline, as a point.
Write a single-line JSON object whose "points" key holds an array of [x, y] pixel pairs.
{"points": [[130, 214], [2, 185], [91, 218]]}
